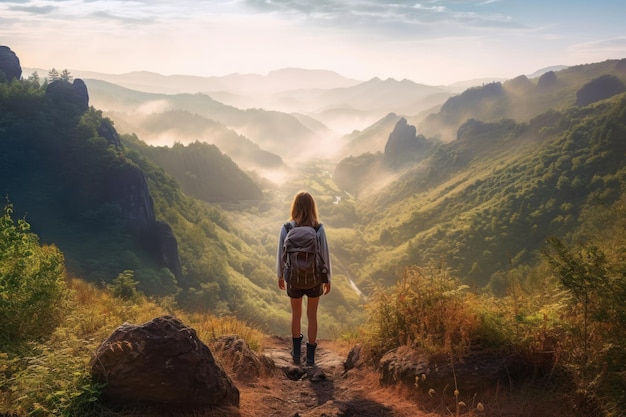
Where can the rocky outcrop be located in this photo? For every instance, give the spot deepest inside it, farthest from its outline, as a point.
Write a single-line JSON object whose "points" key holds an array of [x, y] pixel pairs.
{"points": [[75, 93], [10, 67], [405, 146], [161, 363]]}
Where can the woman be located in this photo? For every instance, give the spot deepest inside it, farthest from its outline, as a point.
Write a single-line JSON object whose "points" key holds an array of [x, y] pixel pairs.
{"points": [[304, 213]]}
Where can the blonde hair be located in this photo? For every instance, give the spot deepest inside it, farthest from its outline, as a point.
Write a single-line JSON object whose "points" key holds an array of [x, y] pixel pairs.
{"points": [[304, 210]]}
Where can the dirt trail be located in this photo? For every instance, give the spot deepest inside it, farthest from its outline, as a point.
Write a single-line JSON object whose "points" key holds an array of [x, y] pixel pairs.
{"points": [[324, 390]]}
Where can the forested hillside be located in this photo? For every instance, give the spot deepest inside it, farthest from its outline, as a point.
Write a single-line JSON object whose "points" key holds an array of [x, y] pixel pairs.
{"points": [[110, 208], [201, 170], [486, 202]]}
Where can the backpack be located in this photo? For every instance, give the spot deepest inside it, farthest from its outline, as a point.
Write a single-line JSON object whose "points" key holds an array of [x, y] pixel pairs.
{"points": [[304, 266]]}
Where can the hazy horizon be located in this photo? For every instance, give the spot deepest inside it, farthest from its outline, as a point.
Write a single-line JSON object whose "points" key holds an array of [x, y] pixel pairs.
{"points": [[435, 42]]}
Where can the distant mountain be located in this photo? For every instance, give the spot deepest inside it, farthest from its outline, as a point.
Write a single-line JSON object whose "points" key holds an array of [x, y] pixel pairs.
{"points": [[226, 126], [461, 86], [540, 72], [340, 103], [238, 84], [403, 97], [356, 107], [520, 98]]}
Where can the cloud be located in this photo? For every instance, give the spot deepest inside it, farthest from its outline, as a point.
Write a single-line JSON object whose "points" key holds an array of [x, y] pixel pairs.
{"points": [[127, 18], [388, 16], [33, 9], [613, 46]]}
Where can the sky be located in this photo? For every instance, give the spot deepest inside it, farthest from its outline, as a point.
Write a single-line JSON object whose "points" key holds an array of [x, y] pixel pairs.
{"points": [[433, 42]]}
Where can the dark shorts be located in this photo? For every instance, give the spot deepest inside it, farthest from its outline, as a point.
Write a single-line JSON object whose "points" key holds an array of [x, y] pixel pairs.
{"points": [[311, 292]]}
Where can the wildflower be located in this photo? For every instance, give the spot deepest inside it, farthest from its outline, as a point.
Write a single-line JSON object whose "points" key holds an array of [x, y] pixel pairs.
{"points": [[480, 407], [456, 392], [462, 404], [431, 392]]}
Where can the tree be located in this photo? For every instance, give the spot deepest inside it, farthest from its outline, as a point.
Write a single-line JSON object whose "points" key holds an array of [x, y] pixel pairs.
{"points": [[53, 74], [34, 79], [65, 75], [125, 287]]}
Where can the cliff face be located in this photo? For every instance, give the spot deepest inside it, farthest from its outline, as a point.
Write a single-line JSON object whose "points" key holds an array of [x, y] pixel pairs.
{"points": [[128, 189], [86, 180]]}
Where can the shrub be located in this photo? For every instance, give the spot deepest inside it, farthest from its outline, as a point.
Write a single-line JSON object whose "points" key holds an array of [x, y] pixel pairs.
{"points": [[32, 286], [427, 308]]}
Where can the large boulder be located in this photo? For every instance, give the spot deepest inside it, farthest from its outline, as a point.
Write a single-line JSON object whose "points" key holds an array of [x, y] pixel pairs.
{"points": [[9, 64], [161, 363], [64, 93]]}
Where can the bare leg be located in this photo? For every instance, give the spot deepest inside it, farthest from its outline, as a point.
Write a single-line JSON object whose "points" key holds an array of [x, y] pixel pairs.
{"points": [[311, 314], [296, 314]]}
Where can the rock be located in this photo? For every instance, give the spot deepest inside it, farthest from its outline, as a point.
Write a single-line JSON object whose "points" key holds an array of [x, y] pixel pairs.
{"points": [[293, 372], [246, 364], [9, 65], [402, 365], [64, 93], [474, 373], [404, 145], [161, 363], [354, 359], [80, 88]]}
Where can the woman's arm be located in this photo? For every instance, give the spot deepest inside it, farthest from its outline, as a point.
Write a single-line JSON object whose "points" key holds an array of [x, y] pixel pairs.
{"points": [[324, 250], [279, 252]]}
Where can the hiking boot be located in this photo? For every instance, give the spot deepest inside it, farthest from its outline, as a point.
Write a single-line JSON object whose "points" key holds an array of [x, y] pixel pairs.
{"points": [[296, 351], [310, 354]]}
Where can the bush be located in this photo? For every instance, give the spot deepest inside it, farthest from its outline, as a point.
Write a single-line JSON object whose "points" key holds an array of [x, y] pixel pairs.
{"points": [[32, 286], [427, 308]]}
